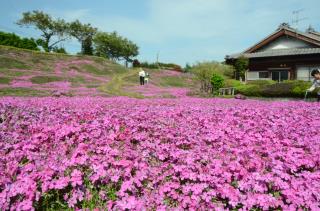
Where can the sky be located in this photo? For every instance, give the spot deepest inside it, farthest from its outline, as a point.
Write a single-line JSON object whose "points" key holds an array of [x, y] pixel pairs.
{"points": [[178, 31]]}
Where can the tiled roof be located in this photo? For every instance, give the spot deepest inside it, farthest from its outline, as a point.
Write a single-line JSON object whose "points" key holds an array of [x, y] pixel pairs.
{"points": [[283, 52], [278, 52]]}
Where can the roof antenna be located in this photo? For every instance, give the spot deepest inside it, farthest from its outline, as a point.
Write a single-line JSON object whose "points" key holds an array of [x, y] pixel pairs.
{"points": [[296, 18]]}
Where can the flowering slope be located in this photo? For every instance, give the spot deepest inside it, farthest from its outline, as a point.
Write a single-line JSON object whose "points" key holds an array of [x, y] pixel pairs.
{"points": [[161, 154]]}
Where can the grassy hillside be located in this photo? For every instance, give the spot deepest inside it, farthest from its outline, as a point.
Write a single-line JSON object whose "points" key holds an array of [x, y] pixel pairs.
{"points": [[30, 73]]}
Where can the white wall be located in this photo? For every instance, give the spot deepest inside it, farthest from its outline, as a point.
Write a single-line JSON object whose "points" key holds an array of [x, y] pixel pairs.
{"points": [[285, 42], [254, 75], [303, 72]]}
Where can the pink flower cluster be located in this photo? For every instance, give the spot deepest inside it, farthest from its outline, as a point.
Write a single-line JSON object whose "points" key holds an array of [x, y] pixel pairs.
{"points": [[188, 153]]}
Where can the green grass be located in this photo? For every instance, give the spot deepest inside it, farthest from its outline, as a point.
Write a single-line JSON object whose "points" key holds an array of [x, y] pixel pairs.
{"points": [[45, 79], [77, 80], [115, 86], [5, 80], [173, 81], [21, 92], [12, 72], [6, 62], [94, 70]]}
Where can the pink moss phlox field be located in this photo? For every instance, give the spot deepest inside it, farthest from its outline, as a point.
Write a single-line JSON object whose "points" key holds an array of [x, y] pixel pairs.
{"points": [[188, 153]]}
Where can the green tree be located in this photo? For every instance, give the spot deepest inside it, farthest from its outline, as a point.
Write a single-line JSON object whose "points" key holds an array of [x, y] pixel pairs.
{"points": [[217, 81], [84, 34], [50, 28], [11, 39], [128, 50], [241, 66], [187, 68], [114, 47], [204, 71]]}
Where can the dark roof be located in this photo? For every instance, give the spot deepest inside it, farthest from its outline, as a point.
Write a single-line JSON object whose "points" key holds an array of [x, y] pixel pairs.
{"points": [[277, 52], [313, 37]]}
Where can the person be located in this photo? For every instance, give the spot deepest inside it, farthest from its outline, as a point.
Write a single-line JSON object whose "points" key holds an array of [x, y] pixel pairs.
{"points": [[316, 82], [142, 75], [146, 79]]}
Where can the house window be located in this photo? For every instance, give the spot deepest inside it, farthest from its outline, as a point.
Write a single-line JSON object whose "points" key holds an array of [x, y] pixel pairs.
{"points": [[263, 75]]}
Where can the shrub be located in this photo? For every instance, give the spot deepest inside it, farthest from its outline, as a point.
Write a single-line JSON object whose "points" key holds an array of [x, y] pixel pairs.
{"points": [[11, 39], [217, 81], [273, 89], [136, 63], [232, 83]]}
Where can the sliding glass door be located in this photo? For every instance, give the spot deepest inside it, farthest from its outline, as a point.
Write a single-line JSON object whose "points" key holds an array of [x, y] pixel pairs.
{"points": [[280, 75]]}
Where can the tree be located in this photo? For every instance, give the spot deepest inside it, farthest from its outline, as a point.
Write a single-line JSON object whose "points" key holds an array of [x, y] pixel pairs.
{"points": [[136, 63], [50, 28], [128, 50], [84, 34], [204, 72], [11, 39], [241, 66], [114, 47], [187, 68]]}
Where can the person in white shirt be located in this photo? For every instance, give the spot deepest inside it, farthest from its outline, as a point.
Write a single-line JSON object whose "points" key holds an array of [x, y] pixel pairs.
{"points": [[316, 82], [142, 75]]}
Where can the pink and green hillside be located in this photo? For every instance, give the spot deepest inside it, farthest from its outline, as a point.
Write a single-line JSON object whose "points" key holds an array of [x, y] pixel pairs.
{"points": [[29, 73]]}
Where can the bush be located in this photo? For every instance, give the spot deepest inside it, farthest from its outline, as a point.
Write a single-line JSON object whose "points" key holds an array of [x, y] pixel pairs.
{"points": [[136, 63], [11, 39], [261, 82], [217, 81], [273, 89], [232, 83]]}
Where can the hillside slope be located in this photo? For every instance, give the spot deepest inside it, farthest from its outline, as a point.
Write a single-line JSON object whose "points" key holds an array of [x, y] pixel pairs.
{"points": [[30, 73]]}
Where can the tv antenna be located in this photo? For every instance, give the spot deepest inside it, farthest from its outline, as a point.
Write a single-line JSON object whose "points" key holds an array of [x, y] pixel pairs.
{"points": [[296, 18]]}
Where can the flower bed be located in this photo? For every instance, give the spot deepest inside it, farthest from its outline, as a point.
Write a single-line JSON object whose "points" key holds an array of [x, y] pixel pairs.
{"points": [[160, 154]]}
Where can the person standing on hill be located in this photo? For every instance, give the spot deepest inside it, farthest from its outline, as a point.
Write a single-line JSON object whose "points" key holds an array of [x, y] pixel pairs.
{"points": [[316, 82], [142, 75]]}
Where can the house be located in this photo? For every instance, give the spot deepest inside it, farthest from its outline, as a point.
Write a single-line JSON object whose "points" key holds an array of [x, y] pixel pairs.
{"points": [[286, 54]]}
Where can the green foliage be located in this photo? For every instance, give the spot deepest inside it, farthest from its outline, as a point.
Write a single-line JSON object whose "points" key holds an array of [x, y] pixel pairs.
{"points": [[149, 65], [115, 47], [262, 82], [49, 27], [136, 63], [217, 81], [11, 39], [187, 68], [204, 72], [84, 34], [173, 81], [241, 65], [160, 65], [21, 92], [273, 89], [59, 50], [45, 79], [5, 80], [232, 83]]}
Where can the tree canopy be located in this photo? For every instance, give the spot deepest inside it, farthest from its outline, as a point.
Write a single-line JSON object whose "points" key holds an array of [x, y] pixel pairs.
{"points": [[49, 27], [11, 39], [115, 47], [84, 34]]}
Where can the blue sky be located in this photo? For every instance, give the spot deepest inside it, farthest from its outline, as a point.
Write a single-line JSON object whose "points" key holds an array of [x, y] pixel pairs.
{"points": [[180, 30]]}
